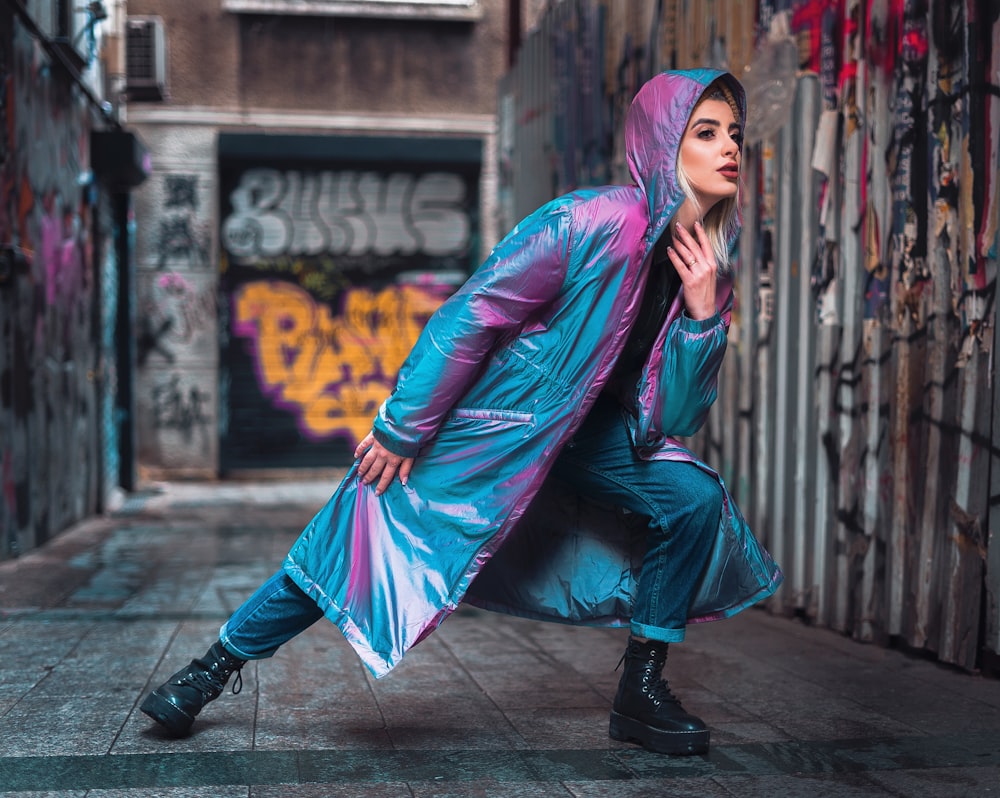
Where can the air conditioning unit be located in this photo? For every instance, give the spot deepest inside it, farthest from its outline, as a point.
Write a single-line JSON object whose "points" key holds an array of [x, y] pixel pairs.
{"points": [[145, 59]]}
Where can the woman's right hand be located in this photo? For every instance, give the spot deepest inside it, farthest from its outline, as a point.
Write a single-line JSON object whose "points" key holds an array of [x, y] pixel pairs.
{"points": [[378, 463]]}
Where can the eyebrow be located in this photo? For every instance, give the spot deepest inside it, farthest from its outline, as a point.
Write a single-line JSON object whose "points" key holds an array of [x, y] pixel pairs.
{"points": [[713, 122]]}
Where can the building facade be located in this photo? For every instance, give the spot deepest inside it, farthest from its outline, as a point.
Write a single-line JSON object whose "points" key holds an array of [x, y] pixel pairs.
{"points": [[323, 176]]}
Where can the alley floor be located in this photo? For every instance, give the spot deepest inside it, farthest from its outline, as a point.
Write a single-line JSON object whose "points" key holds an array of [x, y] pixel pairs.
{"points": [[487, 706]]}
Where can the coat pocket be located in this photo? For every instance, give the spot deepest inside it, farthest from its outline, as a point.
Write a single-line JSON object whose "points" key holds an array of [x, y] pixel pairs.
{"points": [[485, 440], [490, 414]]}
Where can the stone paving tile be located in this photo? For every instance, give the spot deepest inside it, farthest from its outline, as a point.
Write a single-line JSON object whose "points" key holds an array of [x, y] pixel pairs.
{"points": [[544, 695], [318, 663], [940, 782], [45, 794], [10, 694], [770, 692], [834, 662], [736, 733], [487, 706], [289, 729], [33, 647], [40, 726], [841, 785], [215, 791], [567, 727], [489, 789], [417, 727], [652, 788], [390, 790]]}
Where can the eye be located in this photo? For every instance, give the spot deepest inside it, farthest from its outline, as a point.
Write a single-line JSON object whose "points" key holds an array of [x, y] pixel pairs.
{"points": [[737, 137], [706, 133]]}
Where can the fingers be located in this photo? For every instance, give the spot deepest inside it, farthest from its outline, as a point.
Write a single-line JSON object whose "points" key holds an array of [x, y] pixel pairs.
{"points": [[694, 251], [378, 465], [360, 449], [404, 470], [677, 259], [695, 263], [385, 478]]}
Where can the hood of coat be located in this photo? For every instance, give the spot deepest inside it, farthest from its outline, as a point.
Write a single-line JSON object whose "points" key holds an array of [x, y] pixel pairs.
{"points": [[654, 127]]}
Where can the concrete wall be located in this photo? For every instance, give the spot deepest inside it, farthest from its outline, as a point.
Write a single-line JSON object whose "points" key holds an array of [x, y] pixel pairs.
{"points": [[176, 280]]}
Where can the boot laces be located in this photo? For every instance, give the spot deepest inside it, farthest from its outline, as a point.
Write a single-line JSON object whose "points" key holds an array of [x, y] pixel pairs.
{"points": [[657, 689], [203, 681], [213, 680]]}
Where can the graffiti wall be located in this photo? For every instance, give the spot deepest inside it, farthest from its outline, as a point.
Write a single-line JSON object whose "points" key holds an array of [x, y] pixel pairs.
{"points": [[331, 265], [49, 331], [856, 420], [176, 321]]}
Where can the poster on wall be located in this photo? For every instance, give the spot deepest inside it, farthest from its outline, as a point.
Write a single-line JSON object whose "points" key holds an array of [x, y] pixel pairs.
{"points": [[334, 253]]}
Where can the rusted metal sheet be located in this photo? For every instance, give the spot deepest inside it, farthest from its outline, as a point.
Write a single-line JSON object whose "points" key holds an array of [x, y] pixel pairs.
{"points": [[855, 419]]}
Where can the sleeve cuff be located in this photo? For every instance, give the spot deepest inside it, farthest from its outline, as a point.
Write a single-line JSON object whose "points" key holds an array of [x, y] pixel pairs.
{"points": [[395, 446], [690, 325]]}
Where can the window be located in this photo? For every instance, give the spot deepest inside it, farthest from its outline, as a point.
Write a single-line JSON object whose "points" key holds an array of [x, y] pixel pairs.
{"points": [[145, 58]]}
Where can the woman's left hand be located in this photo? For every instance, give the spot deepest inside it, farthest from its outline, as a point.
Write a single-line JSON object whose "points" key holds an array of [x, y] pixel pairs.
{"points": [[694, 261]]}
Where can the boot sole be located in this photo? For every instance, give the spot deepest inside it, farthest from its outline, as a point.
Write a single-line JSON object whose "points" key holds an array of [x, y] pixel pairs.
{"points": [[680, 743], [174, 720]]}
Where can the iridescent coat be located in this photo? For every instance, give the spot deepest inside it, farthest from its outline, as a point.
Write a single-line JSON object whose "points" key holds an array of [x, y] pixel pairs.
{"points": [[499, 380]]}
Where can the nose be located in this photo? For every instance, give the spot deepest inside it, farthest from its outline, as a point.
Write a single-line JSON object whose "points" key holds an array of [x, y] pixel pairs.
{"points": [[731, 146]]}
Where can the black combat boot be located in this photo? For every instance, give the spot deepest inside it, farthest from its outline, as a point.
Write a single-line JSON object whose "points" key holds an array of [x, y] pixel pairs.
{"points": [[646, 712], [176, 702]]}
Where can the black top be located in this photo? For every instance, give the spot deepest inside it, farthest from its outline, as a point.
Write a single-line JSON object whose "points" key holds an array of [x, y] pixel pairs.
{"points": [[660, 291]]}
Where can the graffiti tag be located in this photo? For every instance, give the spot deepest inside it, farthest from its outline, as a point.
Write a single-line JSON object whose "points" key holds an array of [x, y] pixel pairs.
{"points": [[179, 237], [352, 213], [173, 408], [331, 371]]}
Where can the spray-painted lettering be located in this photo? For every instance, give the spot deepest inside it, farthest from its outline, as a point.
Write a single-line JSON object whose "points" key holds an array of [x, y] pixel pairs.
{"points": [[173, 408], [331, 371], [353, 213], [173, 313], [182, 192], [182, 238]]}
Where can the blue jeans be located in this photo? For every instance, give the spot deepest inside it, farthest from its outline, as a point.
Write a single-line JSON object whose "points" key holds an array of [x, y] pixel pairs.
{"points": [[273, 615], [682, 502]]}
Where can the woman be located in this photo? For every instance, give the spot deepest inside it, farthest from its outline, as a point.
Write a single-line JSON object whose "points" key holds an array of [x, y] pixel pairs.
{"points": [[563, 368]]}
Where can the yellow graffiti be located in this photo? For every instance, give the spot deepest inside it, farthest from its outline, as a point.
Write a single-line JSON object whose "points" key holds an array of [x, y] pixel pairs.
{"points": [[332, 371]]}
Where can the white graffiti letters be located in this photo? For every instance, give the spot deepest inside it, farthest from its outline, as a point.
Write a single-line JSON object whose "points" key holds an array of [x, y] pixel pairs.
{"points": [[346, 213]]}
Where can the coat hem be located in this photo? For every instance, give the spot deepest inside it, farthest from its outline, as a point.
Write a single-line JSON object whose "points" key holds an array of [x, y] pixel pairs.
{"points": [[377, 664]]}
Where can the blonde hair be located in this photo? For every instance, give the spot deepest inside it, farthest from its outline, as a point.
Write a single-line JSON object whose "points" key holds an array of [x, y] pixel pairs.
{"points": [[722, 221]]}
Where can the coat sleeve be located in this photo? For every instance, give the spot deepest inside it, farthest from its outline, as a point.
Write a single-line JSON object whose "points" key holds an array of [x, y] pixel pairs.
{"points": [[523, 274], [677, 392]]}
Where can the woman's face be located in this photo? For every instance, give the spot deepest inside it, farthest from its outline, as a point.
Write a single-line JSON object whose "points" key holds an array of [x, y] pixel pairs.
{"points": [[710, 152]]}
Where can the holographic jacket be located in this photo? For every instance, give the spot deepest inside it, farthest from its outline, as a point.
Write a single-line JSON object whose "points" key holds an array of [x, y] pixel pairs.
{"points": [[499, 380]]}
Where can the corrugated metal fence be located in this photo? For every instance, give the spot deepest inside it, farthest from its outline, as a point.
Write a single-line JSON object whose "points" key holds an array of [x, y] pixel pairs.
{"points": [[855, 422]]}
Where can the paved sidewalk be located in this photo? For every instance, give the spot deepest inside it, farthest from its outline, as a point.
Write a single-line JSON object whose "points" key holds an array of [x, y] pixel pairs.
{"points": [[487, 706]]}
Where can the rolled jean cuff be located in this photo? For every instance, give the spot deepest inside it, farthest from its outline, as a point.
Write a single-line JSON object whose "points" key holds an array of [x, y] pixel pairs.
{"points": [[657, 633], [235, 651]]}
